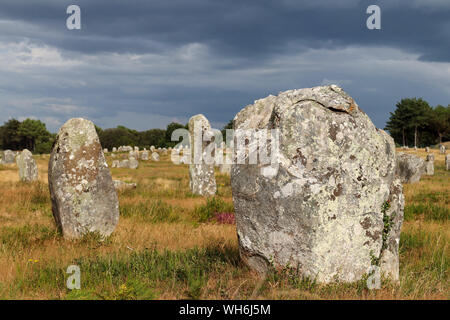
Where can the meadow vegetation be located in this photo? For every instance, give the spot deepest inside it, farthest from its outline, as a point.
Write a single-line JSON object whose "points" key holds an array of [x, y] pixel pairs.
{"points": [[169, 244]]}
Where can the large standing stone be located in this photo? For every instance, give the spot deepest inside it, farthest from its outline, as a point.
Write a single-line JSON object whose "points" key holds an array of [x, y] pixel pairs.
{"points": [[429, 165], [82, 191], [447, 162], [409, 167], [201, 174], [8, 157], [318, 209], [28, 170]]}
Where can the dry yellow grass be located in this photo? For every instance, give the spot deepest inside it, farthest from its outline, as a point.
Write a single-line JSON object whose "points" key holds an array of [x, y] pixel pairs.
{"points": [[203, 255]]}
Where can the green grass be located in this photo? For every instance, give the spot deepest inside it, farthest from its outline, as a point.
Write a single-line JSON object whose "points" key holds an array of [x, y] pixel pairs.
{"points": [[135, 275], [428, 211], [424, 262], [213, 205], [150, 211], [19, 238], [207, 267]]}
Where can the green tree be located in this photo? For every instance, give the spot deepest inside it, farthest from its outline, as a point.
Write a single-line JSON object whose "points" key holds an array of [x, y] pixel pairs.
{"points": [[229, 125], [410, 116], [171, 127], [153, 137], [10, 137], [440, 121], [120, 136], [98, 130], [33, 132]]}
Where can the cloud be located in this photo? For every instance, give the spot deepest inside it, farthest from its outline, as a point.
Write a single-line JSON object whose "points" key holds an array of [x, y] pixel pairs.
{"points": [[145, 63]]}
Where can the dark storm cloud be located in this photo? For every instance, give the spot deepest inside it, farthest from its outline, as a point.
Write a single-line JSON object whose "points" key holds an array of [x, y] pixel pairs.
{"points": [[247, 29], [146, 63]]}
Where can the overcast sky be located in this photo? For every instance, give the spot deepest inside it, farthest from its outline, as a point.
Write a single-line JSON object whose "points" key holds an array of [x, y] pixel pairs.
{"points": [[146, 63]]}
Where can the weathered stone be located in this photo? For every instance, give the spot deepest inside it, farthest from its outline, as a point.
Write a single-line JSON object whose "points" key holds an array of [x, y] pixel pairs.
{"points": [[393, 220], [155, 156], [175, 156], [133, 154], [447, 162], [442, 149], [105, 150], [427, 149], [82, 191], [120, 185], [429, 165], [409, 167], [8, 157], [124, 164], [133, 163], [152, 148], [28, 170], [115, 164], [144, 155], [320, 208], [114, 149], [136, 149], [186, 156], [201, 174], [429, 168]]}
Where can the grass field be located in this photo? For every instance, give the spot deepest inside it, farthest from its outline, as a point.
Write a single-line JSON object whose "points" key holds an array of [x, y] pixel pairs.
{"points": [[168, 244]]}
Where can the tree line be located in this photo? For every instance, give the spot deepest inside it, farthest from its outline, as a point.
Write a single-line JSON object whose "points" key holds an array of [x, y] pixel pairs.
{"points": [[415, 123], [33, 135], [122, 136], [29, 134]]}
